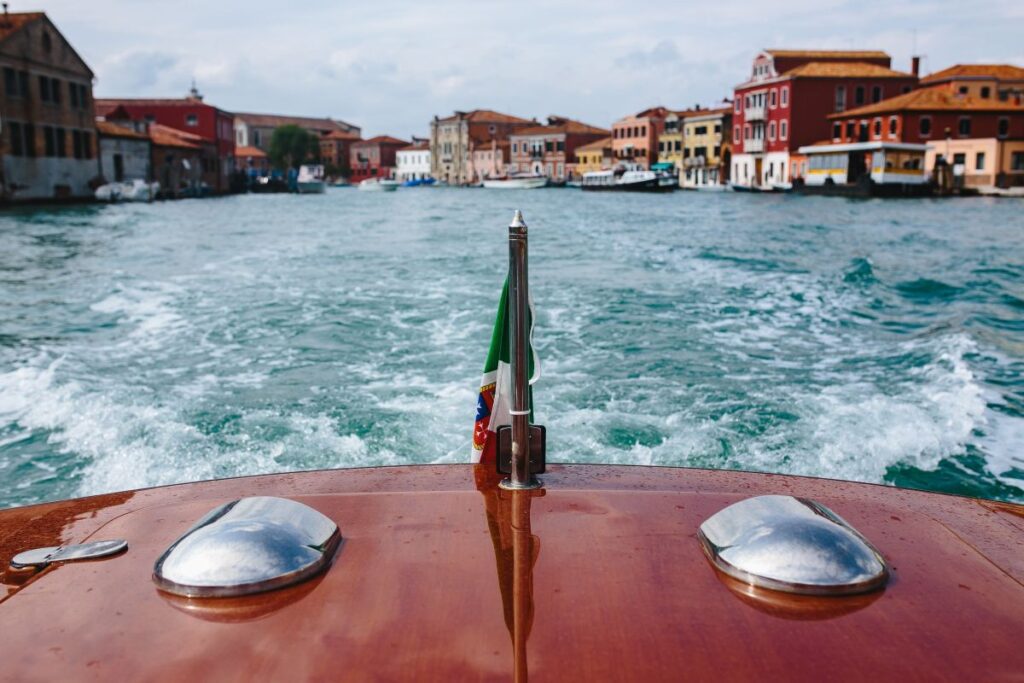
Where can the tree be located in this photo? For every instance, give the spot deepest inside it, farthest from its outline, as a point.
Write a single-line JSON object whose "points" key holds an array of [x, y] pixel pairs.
{"points": [[291, 145]]}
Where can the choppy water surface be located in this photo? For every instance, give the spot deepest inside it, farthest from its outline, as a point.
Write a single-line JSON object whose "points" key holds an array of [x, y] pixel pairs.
{"points": [[150, 344]]}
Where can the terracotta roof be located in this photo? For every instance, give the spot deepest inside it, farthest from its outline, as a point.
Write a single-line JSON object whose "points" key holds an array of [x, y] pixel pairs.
{"points": [[112, 130], [340, 135], [705, 112], [1002, 72], [596, 145], [381, 139], [165, 136], [844, 70], [419, 145], [13, 22], [561, 125], [829, 54], [249, 151], [275, 120], [486, 116], [484, 145], [935, 98]]}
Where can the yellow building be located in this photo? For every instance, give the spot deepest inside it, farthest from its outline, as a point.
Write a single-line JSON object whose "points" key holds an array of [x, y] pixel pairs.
{"points": [[705, 135], [593, 157], [670, 142]]}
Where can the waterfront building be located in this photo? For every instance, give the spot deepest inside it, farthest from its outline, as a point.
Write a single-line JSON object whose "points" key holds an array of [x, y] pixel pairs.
{"points": [[336, 152], [635, 137], [488, 159], [374, 158], [252, 161], [980, 141], [981, 81], [550, 150], [182, 162], [785, 102], [707, 154], [125, 153], [256, 130], [412, 162], [670, 142], [190, 115], [48, 145], [595, 156], [451, 139]]}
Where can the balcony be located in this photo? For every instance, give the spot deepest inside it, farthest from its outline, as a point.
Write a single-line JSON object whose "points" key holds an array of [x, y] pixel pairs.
{"points": [[753, 145], [753, 113]]}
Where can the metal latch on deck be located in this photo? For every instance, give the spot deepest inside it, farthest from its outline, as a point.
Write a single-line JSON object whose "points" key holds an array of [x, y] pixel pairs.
{"points": [[538, 449], [40, 557]]}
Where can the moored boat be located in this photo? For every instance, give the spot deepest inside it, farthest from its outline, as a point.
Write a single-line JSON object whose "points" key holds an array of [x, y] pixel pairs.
{"points": [[311, 179], [522, 181], [129, 191], [624, 179], [378, 185]]}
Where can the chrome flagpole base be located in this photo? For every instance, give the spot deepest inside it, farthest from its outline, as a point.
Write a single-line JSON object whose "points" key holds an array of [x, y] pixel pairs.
{"points": [[509, 485]]}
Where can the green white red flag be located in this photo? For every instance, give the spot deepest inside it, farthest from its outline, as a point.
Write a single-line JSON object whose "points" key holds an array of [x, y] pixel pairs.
{"points": [[495, 398]]}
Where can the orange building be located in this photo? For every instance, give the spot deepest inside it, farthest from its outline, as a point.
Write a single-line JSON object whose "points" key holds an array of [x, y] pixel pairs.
{"points": [[982, 81], [635, 137]]}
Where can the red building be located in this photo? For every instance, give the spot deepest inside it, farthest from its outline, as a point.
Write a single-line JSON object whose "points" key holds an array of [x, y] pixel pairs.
{"points": [[551, 150], [190, 115], [335, 151], [635, 137], [374, 158], [980, 140], [786, 102]]}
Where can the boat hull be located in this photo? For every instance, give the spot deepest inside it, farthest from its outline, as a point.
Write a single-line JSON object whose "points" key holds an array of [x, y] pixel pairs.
{"points": [[516, 184], [426, 585], [648, 185], [311, 186]]}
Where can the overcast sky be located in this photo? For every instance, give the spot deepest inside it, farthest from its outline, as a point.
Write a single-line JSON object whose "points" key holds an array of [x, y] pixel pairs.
{"points": [[389, 66]]}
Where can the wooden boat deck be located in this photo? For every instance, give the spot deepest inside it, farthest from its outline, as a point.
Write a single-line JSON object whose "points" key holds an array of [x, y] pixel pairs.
{"points": [[425, 587]]}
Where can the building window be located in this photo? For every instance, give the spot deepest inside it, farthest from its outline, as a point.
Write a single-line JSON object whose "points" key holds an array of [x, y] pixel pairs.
{"points": [[17, 141], [746, 131], [878, 128], [10, 82], [76, 144], [979, 161], [1017, 161], [47, 42], [771, 98], [515, 148], [73, 94], [925, 126], [1003, 128], [49, 142], [191, 120], [964, 126], [986, 92], [783, 129], [960, 159], [736, 132], [62, 142], [858, 95], [892, 126], [44, 88], [784, 96], [963, 90], [851, 130], [771, 131], [876, 93], [738, 105], [840, 97]]}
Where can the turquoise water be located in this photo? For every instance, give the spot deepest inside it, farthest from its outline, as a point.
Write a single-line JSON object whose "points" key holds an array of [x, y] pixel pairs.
{"points": [[867, 340]]}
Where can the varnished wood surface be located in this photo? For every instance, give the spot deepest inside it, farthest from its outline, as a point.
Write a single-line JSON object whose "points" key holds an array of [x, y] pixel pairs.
{"points": [[443, 577]]}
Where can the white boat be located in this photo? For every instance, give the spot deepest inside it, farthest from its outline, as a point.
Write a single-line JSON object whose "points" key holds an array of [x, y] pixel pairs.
{"points": [[623, 179], [128, 191], [522, 181], [378, 185], [311, 179]]}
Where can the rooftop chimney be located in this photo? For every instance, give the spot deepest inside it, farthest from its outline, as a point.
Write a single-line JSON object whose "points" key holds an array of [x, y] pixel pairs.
{"points": [[7, 19], [915, 65]]}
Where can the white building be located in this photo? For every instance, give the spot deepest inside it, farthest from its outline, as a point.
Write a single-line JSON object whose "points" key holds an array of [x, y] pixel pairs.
{"points": [[125, 152], [413, 161]]}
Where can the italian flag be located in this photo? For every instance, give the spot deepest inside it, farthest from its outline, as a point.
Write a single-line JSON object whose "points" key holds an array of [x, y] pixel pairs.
{"points": [[495, 398]]}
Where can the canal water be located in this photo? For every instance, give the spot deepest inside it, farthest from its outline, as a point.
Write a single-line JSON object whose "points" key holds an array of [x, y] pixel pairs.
{"points": [[880, 341]]}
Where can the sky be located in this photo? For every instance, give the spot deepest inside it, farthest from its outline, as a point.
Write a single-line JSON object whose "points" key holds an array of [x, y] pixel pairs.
{"points": [[390, 66]]}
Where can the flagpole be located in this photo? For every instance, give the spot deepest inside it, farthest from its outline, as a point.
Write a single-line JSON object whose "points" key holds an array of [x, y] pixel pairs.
{"points": [[519, 347]]}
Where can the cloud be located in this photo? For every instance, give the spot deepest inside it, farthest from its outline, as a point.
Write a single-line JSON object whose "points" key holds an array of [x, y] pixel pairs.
{"points": [[138, 69], [664, 52]]}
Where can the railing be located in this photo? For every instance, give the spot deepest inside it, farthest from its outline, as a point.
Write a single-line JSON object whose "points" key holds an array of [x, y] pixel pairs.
{"points": [[753, 145], [754, 113]]}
